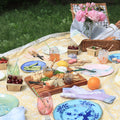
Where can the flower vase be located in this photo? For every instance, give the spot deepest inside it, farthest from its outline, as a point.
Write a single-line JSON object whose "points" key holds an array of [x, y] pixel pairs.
{"points": [[87, 29]]}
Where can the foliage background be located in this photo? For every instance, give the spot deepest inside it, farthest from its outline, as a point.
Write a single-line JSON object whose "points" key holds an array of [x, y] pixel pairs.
{"points": [[24, 21]]}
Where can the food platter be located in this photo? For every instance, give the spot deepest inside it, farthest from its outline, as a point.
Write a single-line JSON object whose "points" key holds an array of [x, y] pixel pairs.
{"points": [[77, 110], [39, 63], [7, 103], [53, 90]]}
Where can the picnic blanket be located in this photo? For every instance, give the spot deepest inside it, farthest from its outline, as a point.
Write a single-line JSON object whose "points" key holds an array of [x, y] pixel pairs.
{"points": [[29, 100]]}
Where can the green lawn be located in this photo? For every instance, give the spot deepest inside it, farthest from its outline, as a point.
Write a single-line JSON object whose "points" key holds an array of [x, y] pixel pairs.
{"points": [[23, 25]]}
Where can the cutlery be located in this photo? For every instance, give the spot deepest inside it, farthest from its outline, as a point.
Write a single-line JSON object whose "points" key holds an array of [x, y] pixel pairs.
{"points": [[37, 83], [82, 69], [35, 54]]}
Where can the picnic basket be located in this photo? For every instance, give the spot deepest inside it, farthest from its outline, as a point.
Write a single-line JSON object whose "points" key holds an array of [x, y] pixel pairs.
{"points": [[106, 43]]}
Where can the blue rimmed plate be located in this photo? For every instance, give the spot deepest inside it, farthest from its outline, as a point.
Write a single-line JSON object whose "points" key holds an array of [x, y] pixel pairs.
{"points": [[7, 103], [116, 55], [40, 63], [77, 110]]}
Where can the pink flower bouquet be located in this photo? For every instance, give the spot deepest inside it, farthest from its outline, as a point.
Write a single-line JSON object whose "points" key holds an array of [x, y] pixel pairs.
{"points": [[88, 12], [88, 16]]}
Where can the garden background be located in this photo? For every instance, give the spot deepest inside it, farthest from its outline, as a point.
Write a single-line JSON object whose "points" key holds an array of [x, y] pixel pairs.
{"points": [[23, 21]]}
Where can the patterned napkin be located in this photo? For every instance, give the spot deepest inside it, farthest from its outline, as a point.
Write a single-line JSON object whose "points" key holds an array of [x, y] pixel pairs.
{"points": [[80, 93], [17, 113]]}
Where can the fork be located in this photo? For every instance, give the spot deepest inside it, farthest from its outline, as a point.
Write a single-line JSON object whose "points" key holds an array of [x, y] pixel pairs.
{"points": [[82, 69]]}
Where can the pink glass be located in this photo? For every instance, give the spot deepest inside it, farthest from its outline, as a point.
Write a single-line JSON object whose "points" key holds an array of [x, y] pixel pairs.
{"points": [[103, 56], [45, 103]]}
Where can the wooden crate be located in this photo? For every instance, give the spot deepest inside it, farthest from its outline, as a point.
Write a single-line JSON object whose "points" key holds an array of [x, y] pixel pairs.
{"points": [[93, 52], [3, 66], [14, 87], [70, 51]]}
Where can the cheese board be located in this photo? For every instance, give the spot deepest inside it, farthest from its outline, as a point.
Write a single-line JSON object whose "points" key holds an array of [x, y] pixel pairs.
{"points": [[53, 90]]}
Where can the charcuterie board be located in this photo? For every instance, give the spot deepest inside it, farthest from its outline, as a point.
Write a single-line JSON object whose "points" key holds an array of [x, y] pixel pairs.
{"points": [[54, 90]]}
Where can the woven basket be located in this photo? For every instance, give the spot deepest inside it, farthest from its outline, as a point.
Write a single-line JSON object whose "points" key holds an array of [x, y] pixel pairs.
{"points": [[104, 44]]}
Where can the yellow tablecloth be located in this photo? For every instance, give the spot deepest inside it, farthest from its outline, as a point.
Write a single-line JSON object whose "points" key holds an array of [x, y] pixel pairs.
{"points": [[29, 100]]}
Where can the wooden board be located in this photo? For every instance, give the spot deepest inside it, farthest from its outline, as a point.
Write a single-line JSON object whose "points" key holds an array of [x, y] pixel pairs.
{"points": [[54, 90]]}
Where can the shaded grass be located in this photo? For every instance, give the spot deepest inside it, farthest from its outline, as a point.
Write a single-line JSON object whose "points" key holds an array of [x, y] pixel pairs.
{"points": [[23, 25]]}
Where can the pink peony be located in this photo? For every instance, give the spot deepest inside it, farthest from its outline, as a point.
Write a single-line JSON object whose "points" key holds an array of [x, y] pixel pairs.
{"points": [[80, 16], [102, 16], [93, 15], [81, 6], [92, 4], [87, 4]]}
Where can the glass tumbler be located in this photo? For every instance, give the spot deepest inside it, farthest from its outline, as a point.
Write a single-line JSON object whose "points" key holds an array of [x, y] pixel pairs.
{"points": [[103, 56], [45, 103], [54, 54], [48, 72]]}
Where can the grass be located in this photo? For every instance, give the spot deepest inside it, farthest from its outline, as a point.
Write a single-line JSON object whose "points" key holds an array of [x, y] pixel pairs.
{"points": [[23, 25]]}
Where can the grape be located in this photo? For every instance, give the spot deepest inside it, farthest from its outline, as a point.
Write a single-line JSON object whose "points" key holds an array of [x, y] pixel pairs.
{"points": [[14, 80], [10, 76]]}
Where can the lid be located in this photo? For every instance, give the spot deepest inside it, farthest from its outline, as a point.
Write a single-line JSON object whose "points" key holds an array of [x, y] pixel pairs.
{"points": [[54, 50]]}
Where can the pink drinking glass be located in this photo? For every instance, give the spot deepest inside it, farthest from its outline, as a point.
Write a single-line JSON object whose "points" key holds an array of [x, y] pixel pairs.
{"points": [[45, 103]]}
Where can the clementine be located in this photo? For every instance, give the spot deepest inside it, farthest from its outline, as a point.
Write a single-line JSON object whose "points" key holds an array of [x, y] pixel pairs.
{"points": [[93, 83]]}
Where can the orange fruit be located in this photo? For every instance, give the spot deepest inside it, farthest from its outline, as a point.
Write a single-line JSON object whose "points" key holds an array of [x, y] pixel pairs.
{"points": [[93, 83]]}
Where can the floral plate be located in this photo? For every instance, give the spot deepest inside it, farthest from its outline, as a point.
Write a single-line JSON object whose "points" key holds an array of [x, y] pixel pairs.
{"points": [[116, 55], [7, 103], [77, 110]]}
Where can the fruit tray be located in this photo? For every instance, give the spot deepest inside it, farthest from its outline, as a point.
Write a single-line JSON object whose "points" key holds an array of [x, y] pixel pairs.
{"points": [[15, 83], [93, 50], [73, 50], [54, 90], [3, 63]]}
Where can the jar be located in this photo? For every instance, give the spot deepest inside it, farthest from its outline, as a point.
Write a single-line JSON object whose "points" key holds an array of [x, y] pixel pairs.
{"points": [[54, 54], [103, 56], [48, 72]]}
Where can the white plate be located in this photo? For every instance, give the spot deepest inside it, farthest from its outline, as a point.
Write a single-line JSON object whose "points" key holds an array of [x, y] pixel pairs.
{"points": [[60, 48], [2, 75]]}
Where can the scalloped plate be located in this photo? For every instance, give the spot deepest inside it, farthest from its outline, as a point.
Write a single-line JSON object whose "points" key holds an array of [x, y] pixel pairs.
{"points": [[101, 70], [2, 75], [60, 48], [77, 110], [7, 103]]}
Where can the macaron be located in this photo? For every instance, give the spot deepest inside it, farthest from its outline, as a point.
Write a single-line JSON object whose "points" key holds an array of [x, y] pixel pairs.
{"points": [[118, 60], [114, 59], [71, 61]]}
